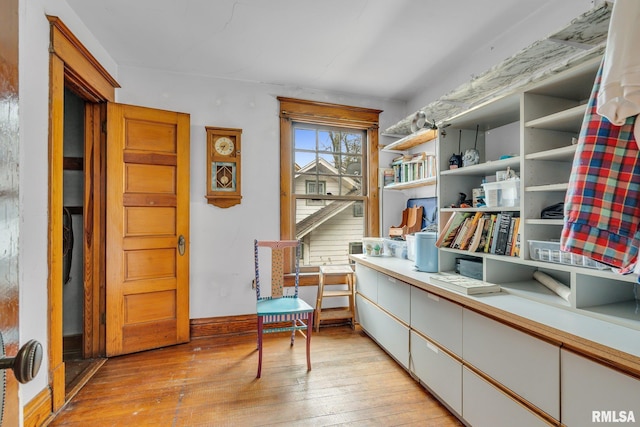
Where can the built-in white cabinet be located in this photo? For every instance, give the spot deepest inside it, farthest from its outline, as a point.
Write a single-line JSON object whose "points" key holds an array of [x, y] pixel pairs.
{"points": [[367, 282], [383, 308], [437, 318], [394, 297], [485, 405], [593, 393], [437, 370], [385, 329], [528, 366], [496, 358]]}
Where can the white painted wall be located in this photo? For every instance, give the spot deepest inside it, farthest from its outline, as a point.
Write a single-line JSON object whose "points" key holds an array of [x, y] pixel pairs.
{"points": [[34, 128], [518, 35], [222, 239], [221, 250]]}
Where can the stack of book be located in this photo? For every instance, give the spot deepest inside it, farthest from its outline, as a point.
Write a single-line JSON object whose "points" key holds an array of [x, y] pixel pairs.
{"points": [[495, 233], [463, 284], [412, 167]]}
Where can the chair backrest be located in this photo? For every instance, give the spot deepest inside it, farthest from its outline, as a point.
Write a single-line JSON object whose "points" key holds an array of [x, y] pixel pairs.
{"points": [[277, 265]]}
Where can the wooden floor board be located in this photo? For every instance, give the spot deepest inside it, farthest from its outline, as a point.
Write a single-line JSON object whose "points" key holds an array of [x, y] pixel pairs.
{"points": [[211, 382]]}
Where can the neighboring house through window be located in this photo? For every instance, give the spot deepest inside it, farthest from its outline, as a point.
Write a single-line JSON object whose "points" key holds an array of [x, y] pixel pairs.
{"points": [[329, 186]]}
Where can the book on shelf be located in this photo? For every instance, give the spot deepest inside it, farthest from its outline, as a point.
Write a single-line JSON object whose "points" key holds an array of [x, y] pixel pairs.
{"points": [[387, 176], [412, 167], [515, 248], [471, 231], [494, 235], [455, 244], [487, 243], [507, 249], [504, 225], [450, 229], [463, 284], [480, 238]]}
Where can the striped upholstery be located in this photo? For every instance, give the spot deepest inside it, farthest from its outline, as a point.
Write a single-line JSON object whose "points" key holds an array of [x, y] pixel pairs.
{"points": [[285, 312]]}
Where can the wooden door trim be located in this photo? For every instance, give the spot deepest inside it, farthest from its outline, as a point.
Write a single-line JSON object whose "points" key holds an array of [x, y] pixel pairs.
{"points": [[71, 65], [83, 71]]}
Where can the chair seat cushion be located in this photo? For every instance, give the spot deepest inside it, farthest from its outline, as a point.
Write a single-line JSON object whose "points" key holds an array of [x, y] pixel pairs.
{"points": [[268, 307]]}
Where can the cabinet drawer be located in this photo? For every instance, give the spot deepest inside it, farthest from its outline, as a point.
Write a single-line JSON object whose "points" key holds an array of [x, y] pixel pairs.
{"points": [[390, 334], [437, 318], [485, 405], [592, 392], [438, 371], [527, 365], [395, 297], [367, 282]]}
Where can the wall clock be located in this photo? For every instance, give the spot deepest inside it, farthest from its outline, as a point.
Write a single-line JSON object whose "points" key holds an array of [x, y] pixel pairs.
{"points": [[223, 166]]}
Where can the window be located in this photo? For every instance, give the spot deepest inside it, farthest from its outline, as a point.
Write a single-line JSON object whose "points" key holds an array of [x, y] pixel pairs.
{"points": [[315, 187], [329, 182]]}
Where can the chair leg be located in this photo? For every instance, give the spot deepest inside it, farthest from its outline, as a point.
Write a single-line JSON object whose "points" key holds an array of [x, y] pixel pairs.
{"points": [[309, 329], [293, 332], [260, 325]]}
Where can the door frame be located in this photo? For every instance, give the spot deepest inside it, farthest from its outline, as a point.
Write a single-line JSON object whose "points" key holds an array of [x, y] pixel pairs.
{"points": [[71, 65]]}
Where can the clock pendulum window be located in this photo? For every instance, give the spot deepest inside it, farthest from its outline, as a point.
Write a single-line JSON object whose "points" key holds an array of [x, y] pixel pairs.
{"points": [[223, 166]]}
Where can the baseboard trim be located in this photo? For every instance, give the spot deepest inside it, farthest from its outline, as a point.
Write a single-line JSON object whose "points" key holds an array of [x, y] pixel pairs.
{"points": [[225, 325], [38, 411], [236, 325]]}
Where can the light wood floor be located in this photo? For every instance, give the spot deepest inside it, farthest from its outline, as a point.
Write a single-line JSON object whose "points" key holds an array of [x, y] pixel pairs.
{"points": [[211, 382]]}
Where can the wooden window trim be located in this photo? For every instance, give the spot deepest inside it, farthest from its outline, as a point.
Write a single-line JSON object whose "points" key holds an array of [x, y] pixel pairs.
{"points": [[300, 110]]}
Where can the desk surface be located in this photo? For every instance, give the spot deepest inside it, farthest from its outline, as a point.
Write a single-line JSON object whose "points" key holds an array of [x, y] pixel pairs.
{"points": [[610, 343]]}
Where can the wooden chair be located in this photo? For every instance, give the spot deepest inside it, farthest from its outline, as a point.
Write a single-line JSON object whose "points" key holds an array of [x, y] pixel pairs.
{"points": [[280, 309]]}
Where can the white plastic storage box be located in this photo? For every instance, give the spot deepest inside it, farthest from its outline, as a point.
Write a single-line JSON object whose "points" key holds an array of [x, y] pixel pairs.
{"points": [[411, 247], [395, 248], [373, 246], [502, 194], [550, 252]]}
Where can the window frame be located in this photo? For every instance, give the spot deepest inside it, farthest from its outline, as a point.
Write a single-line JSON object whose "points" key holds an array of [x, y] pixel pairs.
{"points": [[322, 113]]}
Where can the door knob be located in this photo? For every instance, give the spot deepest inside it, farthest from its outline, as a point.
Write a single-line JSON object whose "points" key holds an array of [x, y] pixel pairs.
{"points": [[181, 244], [26, 364]]}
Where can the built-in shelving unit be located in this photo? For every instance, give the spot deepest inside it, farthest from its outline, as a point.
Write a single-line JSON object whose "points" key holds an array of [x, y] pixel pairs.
{"points": [[586, 341], [545, 123], [405, 145]]}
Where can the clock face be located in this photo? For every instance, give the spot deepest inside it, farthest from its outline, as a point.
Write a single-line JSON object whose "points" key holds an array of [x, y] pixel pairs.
{"points": [[224, 146]]}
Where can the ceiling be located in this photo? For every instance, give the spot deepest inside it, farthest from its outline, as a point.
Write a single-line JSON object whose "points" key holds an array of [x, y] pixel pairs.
{"points": [[376, 48]]}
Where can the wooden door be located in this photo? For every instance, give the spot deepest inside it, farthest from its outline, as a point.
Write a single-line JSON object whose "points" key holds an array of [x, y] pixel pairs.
{"points": [[9, 205], [147, 289]]}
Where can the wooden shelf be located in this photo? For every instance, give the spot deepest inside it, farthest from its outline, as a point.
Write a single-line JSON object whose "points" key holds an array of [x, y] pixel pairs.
{"points": [[410, 141]]}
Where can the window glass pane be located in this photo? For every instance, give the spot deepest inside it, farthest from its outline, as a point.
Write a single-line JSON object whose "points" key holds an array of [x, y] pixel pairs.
{"points": [[328, 163], [329, 231], [304, 139]]}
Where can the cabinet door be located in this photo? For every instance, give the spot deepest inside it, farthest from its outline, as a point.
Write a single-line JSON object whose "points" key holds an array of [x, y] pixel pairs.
{"points": [[395, 296], [390, 334], [437, 318], [367, 282], [441, 373], [527, 365], [593, 393], [485, 405]]}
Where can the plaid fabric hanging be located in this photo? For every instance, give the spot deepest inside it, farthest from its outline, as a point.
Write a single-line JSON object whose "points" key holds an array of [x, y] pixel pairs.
{"points": [[602, 204]]}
